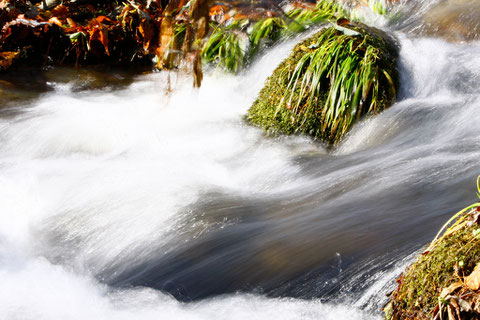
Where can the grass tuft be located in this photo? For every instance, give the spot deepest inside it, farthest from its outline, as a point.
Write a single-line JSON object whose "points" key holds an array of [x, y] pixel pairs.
{"points": [[328, 83], [225, 47], [378, 6], [301, 19], [267, 30]]}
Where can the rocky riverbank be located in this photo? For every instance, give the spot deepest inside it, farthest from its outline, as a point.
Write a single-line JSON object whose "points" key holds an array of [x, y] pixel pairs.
{"points": [[444, 281]]}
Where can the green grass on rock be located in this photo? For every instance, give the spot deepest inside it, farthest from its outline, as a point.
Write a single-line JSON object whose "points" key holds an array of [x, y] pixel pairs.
{"points": [[329, 81]]}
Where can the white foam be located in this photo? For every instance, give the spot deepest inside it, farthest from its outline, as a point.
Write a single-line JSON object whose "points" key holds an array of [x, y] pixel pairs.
{"points": [[39, 290], [112, 171]]}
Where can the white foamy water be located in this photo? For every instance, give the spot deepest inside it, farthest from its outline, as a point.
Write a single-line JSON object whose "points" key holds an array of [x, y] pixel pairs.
{"points": [[113, 169], [40, 290]]}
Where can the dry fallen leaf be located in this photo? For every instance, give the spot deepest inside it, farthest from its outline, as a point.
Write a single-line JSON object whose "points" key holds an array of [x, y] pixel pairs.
{"points": [[99, 32], [60, 11], [343, 22], [165, 42], [105, 20], [450, 289], [71, 23], [464, 305], [6, 59], [451, 314], [56, 21], [147, 30], [473, 280], [197, 70], [456, 307]]}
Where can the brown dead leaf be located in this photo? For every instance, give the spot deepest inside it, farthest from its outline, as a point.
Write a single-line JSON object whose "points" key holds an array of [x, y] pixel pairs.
{"points": [[476, 305], [343, 22], [71, 23], [105, 20], [464, 305], [217, 13], [56, 21], [147, 31], [456, 308], [61, 11], [165, 39], [240, 16], [435, 311], [187, 40], [197, 70], [450, 289], [473, 280], [98, 32], [7, 58], [451, 314], [200, 28], [302, 5]]}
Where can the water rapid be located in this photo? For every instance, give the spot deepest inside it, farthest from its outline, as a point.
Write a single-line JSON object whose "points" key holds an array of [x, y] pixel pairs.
{"points": [[148, 199]]}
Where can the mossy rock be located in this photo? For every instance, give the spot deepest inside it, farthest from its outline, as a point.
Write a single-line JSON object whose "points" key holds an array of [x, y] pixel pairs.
{"points": [[328, 82], [438, 277]]}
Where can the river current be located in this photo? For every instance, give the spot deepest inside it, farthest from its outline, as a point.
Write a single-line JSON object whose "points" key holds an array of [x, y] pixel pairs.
{"points": [[144, 198]]}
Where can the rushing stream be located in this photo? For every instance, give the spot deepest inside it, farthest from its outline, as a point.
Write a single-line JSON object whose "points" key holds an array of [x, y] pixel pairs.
{"points": [[133, 201]]}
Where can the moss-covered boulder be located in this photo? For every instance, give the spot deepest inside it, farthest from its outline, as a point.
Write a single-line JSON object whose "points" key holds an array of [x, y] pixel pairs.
{"points": [[329, 81], [444, 281]]}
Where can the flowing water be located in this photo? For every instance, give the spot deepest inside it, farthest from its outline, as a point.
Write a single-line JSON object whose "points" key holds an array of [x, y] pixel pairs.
{"points": [[133, 201]]}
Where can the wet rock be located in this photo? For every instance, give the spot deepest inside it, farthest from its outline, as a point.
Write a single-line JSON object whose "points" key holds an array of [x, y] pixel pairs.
{"points": [[454, 20], [443, 282]]}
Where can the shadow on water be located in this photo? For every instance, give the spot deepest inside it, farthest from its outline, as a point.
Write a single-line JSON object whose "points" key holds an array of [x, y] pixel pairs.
{"points": [[312, 245], [355, 211], [21, 88]]}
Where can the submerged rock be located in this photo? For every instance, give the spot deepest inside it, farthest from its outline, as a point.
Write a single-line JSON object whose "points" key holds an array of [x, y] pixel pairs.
{"points": [[444, 281], [329, 81], [454, 20]]}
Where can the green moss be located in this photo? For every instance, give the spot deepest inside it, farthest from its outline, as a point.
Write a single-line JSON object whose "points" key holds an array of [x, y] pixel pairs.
{"points": [[422, 283], [446, 261], [328, 82]]}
